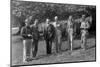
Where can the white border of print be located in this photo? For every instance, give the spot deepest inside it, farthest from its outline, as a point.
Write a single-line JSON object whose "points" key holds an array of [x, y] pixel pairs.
{"points": [[5, 33]]}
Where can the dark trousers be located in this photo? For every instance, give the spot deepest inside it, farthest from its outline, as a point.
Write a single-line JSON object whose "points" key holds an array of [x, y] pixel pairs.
{"points": [[34, 47], [49, 46]]}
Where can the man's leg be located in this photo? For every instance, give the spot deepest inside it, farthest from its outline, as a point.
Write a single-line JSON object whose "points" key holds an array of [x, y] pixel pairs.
{"points": [[83, 41], [59, 42], [29, 44], [35, 46], [48, 47], [24, 51], [57, 45], [71, 41]]}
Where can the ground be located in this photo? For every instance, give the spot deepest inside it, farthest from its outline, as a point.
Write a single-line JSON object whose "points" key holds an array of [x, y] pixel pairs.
{"points": [[65, 56]]}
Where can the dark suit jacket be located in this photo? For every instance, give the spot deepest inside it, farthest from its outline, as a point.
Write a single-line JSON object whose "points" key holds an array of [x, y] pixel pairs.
{"points": [[25, 31]]}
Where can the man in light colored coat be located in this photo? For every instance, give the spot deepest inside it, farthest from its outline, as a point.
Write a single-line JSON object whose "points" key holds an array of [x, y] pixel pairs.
{"points": [[84, 26]]}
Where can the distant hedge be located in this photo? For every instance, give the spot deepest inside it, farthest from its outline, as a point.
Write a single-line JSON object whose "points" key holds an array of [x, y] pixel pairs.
{"points": [[20, 10]]}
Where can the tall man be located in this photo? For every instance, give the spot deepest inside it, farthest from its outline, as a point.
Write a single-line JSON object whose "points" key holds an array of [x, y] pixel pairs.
{"points": [[27, 42], [84, 26], [58, 36], [70, 31]]}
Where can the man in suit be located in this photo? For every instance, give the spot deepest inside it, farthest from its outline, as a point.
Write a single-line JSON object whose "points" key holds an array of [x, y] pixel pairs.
{"points": [[35, 38]]}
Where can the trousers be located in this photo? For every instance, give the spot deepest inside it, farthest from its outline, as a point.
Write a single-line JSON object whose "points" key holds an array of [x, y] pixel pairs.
{"points": [[27, 50]]}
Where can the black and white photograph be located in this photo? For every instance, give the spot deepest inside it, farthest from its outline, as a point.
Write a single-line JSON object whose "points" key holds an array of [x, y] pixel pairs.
{"points": [[51, 33]]}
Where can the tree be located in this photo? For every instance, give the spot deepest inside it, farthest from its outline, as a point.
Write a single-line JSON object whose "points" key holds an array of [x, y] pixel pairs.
{"points": [[20, 10]]}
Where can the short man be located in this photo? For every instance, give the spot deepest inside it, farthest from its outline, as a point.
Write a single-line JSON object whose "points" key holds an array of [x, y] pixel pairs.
{"points": [[70, 31], [58, 36], [84, 26], [35, 38], [27, 42]]}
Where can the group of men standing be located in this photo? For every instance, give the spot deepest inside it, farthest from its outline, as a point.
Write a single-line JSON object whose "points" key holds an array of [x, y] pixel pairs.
{"points": [[30, 36]]}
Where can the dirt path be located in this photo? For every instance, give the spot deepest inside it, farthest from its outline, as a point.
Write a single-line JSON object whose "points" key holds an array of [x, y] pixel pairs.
{"points": [[65, 56]]}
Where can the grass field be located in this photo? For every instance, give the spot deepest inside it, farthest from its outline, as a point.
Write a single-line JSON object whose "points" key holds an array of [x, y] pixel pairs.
{"points": [[65, 56]]}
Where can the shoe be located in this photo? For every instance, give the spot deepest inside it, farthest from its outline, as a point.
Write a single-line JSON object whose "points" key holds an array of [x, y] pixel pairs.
{"points": [[25, 61], [83, 49], [33, 58], [28, 59]]}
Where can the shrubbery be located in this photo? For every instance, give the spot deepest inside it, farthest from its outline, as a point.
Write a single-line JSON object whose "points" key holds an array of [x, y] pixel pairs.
{"points": [[20, 10]]}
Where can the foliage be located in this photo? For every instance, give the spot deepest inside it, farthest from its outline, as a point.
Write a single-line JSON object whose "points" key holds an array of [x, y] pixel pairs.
{"points": [[23, 9]]}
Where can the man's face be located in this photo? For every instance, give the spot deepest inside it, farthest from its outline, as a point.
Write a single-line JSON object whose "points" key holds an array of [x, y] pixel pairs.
{"points": [[56, 18], [30, 17], [83, 16], [36, 21], [70, 17], [47, 20]]}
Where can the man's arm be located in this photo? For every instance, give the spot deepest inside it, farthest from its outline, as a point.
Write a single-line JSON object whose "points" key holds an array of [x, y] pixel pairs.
{"points": [[23, 34], [87, 25]]}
